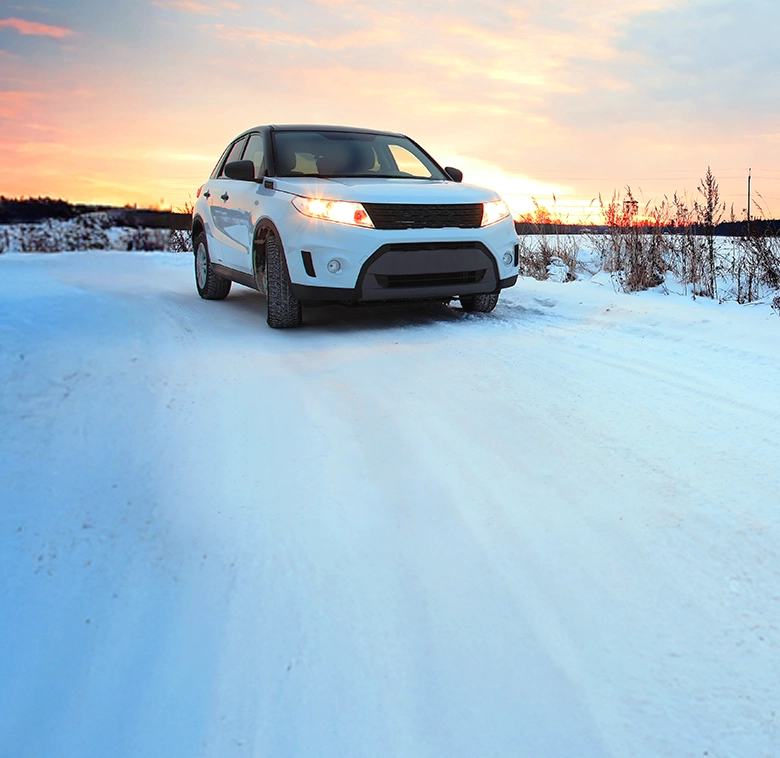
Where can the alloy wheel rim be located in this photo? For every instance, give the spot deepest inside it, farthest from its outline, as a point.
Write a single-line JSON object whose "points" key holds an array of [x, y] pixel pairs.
{"points": [[202, 265]]}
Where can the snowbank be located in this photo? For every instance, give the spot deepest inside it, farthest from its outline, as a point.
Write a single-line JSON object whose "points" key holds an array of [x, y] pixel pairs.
{"points": [[89, 231]]}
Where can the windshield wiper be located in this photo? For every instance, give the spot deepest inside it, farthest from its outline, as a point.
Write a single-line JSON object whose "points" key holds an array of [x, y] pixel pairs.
{"points": [[380, 176], [363, 176]]}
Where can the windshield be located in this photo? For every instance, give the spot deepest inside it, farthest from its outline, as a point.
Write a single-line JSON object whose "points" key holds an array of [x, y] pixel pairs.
{"points": [[344, 154]]}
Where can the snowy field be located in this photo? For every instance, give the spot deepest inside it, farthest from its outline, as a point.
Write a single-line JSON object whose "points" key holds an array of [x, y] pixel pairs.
{"points": [[550, 531]]}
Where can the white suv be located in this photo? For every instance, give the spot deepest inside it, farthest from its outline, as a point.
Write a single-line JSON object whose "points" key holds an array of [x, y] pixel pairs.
{"points": [[323, 214]]}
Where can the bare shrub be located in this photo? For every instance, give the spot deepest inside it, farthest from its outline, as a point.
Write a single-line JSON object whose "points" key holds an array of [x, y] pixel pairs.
{"points": [[545, 247], [539, 252], [180, 240], [148, 240], [755, 266], [686, 248], [634, 247], [533, 259]]}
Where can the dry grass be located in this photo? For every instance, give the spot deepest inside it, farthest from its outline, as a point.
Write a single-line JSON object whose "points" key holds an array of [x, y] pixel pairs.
{"points": [[641, 246]]}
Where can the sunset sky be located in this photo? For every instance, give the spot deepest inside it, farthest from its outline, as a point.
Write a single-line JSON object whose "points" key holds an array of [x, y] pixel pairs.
{"points": [[132, 102]]}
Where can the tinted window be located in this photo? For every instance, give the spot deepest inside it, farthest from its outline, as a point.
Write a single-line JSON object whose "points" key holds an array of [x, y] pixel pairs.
{"points": [[234, 154], [255, 152], [313, 153]]}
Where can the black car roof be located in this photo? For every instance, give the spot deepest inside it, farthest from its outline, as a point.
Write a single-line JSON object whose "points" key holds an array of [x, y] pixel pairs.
{"points": [[320, 128]]}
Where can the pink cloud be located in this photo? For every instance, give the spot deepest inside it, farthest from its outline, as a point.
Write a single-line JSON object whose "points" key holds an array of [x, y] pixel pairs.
{"points": [[192, 6], [13, 104], [34, 28]]}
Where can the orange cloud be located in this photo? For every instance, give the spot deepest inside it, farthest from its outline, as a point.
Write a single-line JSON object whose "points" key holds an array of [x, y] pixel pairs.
{"points": [[34, 28]]}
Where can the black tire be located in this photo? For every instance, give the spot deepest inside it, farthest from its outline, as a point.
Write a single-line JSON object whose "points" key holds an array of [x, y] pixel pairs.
{"points": [[482, 303], [284, 310], [210, 285]]}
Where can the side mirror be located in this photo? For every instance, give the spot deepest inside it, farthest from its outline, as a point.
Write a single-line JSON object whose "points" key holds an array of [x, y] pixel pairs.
{"points": [[244, 171], [454, 173]]}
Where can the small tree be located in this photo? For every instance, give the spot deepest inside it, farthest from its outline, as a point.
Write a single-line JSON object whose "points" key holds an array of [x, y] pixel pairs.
{"points": [[710, 212]]}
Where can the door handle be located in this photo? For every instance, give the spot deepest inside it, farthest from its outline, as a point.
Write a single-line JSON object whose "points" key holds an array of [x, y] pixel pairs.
{"points": [[225, 196]]}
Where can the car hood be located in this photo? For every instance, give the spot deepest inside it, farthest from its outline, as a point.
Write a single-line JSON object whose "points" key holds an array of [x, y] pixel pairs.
{"points": [[365, 190]]}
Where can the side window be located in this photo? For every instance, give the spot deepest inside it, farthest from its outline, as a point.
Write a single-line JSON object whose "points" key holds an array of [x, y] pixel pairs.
{"points": [[408, 163], [255, 152], [233, 155], [215, 173]]}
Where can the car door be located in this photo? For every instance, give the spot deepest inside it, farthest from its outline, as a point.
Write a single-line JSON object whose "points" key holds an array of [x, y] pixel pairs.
{"points": [[246, 203], [227, 225]]}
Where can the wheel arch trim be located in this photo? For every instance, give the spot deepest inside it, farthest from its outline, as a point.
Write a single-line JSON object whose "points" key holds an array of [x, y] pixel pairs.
{"points": [[263, 228], [198, 226]]}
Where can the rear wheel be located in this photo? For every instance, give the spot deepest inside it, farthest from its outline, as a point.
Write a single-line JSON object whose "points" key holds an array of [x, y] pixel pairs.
{"points": [[210, 285], [284, 310], [481, 303]]}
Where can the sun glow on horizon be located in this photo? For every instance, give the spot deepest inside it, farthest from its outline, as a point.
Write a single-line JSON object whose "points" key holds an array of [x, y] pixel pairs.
{"points": [[523, 194]]}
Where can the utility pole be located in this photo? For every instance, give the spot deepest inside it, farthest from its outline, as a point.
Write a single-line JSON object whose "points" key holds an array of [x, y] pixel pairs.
{"points": [[748, 208]]}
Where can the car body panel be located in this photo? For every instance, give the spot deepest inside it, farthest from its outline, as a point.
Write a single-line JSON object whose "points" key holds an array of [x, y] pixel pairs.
{"points": [[228, 223]]}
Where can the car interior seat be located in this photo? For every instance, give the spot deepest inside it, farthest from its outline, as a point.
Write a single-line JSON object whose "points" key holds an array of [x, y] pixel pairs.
{"points": [[286, 161], [346, 158]]}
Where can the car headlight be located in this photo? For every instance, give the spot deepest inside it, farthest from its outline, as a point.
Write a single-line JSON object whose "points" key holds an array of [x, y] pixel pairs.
{"points": [[340, 211], [493, 212]]}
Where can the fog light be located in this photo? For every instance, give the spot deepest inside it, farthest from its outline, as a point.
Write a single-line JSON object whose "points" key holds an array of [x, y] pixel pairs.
{"points": [[334, 266], [508, 258]]}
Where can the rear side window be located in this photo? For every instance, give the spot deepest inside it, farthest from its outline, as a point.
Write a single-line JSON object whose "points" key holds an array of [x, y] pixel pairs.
{"points": [[215, 173], [255, 152], [233, 155]]}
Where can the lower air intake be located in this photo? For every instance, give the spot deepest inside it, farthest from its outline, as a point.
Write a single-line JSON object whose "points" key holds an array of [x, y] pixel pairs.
{"points": [[445, 279]]}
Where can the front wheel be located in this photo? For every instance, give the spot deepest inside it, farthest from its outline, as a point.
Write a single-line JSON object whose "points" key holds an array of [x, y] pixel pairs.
{"points": [[481, 303], [284, 310], [210, 285]]}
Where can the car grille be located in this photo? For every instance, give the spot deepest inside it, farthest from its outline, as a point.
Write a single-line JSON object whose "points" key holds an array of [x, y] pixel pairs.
{"points": [[445, 279], [408, 216]]}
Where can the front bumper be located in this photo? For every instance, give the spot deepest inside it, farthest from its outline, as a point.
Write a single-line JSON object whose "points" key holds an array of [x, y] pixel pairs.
{"points": [[409, 271], [377, 265]]}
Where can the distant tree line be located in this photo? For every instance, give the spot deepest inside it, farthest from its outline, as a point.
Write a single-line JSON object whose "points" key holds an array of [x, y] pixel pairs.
{"points": [[33, 210], [723, 229]]}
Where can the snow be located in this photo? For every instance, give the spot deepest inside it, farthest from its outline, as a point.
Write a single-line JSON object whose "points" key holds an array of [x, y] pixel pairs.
{"points": [[399, 531], [88, 231]]}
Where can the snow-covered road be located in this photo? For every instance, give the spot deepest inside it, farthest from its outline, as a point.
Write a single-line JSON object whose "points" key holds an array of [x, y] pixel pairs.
{"points": [[553, 530]]}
